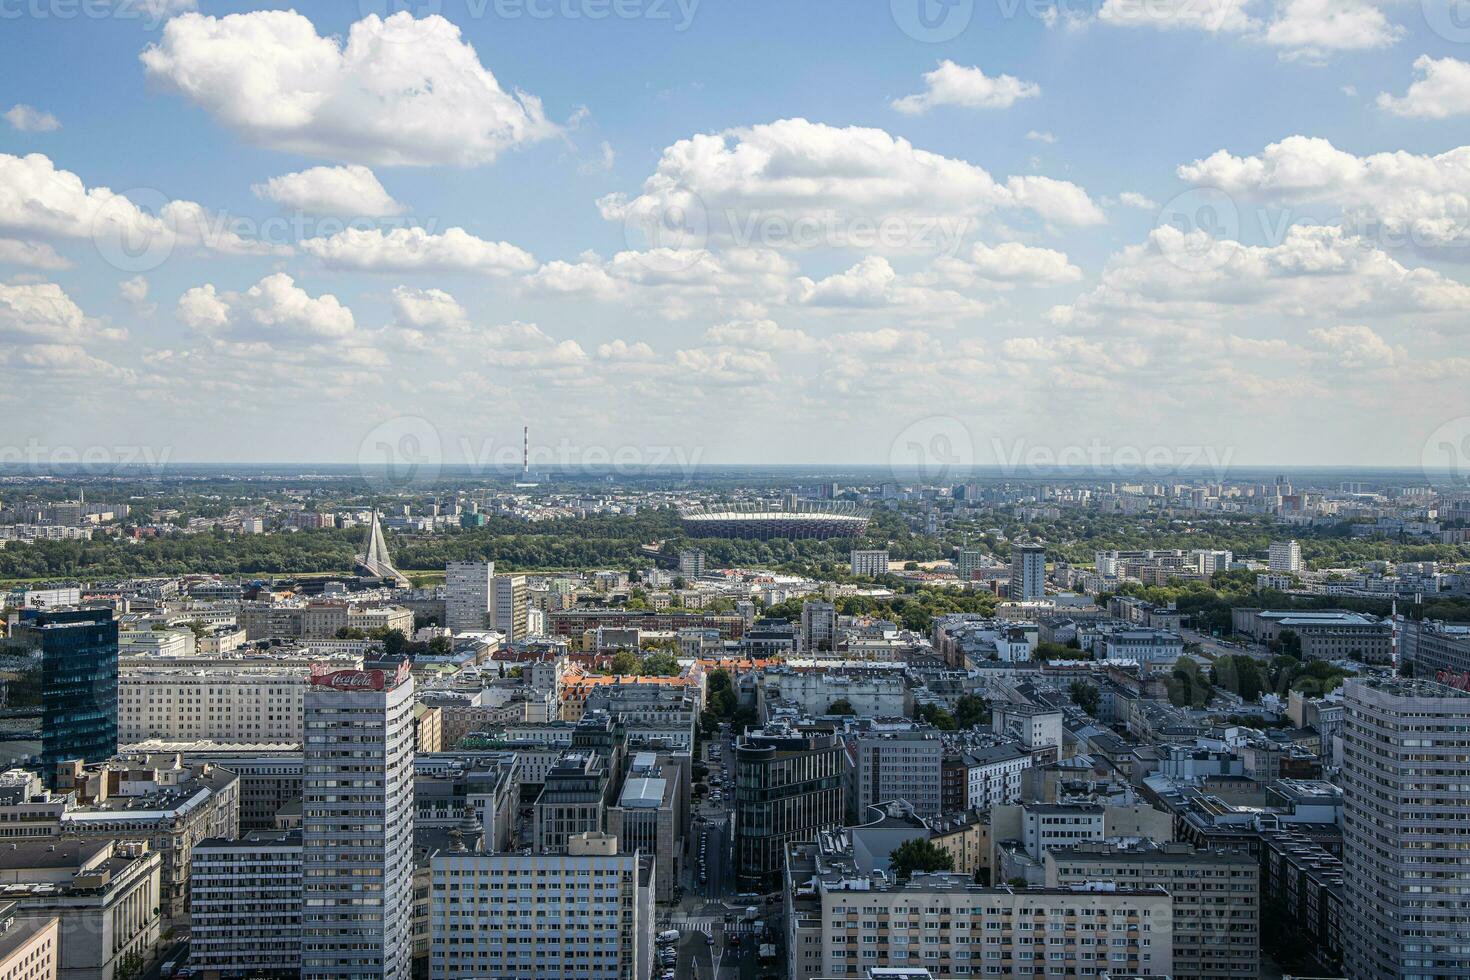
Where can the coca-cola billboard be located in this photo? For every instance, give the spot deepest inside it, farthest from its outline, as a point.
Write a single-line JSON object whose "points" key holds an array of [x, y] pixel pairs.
{"points": [[1449, 678], [347, 680]]}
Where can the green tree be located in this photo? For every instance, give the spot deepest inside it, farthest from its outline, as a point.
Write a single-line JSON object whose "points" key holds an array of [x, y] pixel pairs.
{"points": [[841, 706], [970, 711], [917, 854], [1085, 696], [936, 716], [625, 662], [1047, 650], [659, 665]]}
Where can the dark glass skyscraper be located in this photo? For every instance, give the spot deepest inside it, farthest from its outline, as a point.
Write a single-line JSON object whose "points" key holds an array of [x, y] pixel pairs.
{"points": [[78, 683]]}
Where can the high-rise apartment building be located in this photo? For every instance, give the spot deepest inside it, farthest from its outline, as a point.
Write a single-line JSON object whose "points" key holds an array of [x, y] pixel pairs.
{"points": [[587, 914], [691, 563], [245, 905], [1284, 556], [788, 785], [467, 595], [1028, 572], [508, 606], [900, 766], [1406, 836], [1216, 897], [357, 825], [869, 563], [818, 626], [78, 683], [968, 562]]}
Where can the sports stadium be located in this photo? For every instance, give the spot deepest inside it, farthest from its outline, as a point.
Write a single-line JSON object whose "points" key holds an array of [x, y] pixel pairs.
{"points": [[764, 522]]}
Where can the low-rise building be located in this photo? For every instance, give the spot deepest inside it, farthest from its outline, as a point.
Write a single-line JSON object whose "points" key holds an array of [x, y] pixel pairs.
{"points": [[102, 894]]}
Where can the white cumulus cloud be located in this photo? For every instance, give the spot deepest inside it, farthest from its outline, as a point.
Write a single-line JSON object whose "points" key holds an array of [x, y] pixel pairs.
{"points": [[957, 85], [398, 92], [350, 190]]}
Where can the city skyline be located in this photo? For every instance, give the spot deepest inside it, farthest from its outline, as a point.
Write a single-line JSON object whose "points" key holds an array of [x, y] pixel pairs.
{"points": [[1047, 225]]}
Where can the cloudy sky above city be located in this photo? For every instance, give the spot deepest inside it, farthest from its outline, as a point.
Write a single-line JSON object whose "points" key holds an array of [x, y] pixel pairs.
{"points": [[806, 231]]}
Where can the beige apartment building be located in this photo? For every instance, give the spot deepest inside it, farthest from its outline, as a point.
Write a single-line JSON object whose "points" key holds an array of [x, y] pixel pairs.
{"points": [[1216, 898], [843, 920]]}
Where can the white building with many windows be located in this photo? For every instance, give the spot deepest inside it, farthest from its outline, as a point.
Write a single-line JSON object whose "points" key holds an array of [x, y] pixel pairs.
{"points": [[467, 595], [245, 904], [357, 825], [587, 914], [220, 705]]}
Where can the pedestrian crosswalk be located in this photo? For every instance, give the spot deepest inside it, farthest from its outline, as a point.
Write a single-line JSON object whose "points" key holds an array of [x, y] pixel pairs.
{"points": [[707, 924]]}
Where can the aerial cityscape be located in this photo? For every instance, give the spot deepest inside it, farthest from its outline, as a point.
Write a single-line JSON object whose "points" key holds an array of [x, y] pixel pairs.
{"points": [[734, 489]]}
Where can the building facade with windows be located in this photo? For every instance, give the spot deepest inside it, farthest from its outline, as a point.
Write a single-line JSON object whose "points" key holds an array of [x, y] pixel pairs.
{"points": [[357, 825]]}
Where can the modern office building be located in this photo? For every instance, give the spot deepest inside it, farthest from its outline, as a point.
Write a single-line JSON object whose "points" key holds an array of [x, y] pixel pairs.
{"points": [[788, 785], [586, 914], [1028, 572], [647, 817], [869, 563], [508, 606], [1406, 836], [245, 906], [78, 682], [468, 595], [573, 800], [357, 825], [1285, 557]]}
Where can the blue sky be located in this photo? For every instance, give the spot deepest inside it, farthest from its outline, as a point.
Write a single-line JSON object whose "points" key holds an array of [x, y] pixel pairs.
{"points": [[1149, 224]]}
